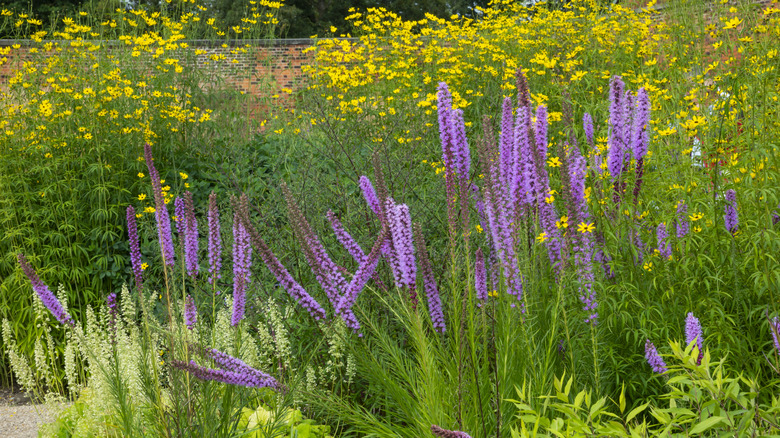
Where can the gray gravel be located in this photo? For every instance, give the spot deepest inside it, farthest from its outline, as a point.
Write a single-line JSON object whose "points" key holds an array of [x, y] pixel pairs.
{"points": [[21, 419]]}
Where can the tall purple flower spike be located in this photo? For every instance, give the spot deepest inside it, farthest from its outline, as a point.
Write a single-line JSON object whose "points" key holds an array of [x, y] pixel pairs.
{"points": [[280, 272], [731, 218], [215, 240], [582, 242], [190, 236], [617, 144], [233, 372], [161, 211], [654, 359], [401, 233], [664, 247], [693, 333], [135, 248], [242, 261], [359, 280], [190, 312], [683, 225], [47, 297], [429, 283], [181, 218], [370, 195]]}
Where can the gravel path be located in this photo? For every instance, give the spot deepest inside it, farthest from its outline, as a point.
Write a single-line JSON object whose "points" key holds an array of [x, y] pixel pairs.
{"points": [[19, 418], [22, 421]]}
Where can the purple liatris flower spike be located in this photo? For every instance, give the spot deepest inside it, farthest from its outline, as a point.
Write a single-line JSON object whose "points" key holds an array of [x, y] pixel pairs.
{"points": [[215, 240], [774, 326], [180, 218], [359, 280], [280, 272], [327, 273], [629, 113], [506, 142], [370, 195], [191, 236], [540, 132], [242, 261], [47, 297], [455, 153], [161, 211], [664, 247], [731, 218], [444, 433], [616, 120], [461, 154], [401, 233], [190, 312], [135, 248], [693, 333], [429, 283], [480, 277], [683, 226], [345, 238], [640, 140], [233, 372], [654, 359], [452, 133], [587, 124]]}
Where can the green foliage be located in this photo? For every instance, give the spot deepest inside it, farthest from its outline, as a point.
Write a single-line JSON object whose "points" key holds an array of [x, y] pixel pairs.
{"points": [[702, 401]]}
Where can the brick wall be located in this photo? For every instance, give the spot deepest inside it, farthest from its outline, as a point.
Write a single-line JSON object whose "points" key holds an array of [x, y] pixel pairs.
{"points": [[268, 66]]}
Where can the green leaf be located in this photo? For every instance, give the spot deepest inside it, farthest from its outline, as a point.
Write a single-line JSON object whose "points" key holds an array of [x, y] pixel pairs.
{"points": [[634, 412], [622, 398], [707, 424]]}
